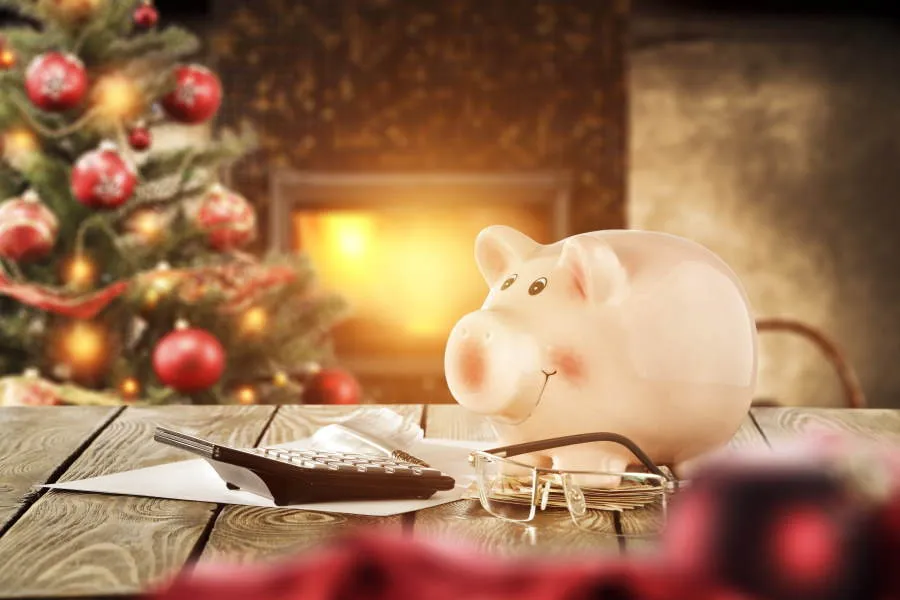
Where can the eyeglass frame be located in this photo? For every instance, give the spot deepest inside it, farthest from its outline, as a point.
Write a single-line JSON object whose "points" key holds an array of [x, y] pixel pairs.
{"points": [[505, 452]]}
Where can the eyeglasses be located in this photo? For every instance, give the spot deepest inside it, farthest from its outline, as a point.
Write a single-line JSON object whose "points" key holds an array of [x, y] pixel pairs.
{"points": [[597, 501]]}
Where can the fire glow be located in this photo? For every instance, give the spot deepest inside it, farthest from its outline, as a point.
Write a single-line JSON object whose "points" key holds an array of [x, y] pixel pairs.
{"points": [[410, 270]]}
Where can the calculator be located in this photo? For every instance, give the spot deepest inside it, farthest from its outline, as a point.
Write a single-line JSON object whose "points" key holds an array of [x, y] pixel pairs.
{"points": [[300, 476]]}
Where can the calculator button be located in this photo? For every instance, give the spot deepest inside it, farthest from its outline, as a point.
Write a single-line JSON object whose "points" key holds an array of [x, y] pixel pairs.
{"points": [[398, 470], [369, 469]]}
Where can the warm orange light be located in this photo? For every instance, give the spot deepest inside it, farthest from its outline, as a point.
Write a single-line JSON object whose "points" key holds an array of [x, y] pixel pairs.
{"points": [[254, 320], [129, 388], [352, 232], [7, 59], [19, 142], [84, 346], [280, 379], [409, 269], [148, 224], [117, 96], [246, 395], [80, 272], [77, 8]]}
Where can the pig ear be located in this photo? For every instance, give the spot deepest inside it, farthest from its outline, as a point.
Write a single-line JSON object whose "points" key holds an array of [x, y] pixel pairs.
{"points": [[596, 274], [498, 248]]}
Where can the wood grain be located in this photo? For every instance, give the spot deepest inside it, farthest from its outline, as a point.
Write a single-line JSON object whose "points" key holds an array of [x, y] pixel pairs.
{"points": [[781, 425], [71, 544], [245, 534], [465, 520], [35, 442]]}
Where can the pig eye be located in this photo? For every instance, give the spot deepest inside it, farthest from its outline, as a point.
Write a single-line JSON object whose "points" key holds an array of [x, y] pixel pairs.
{"points": [[509, 281], [537, 286]]}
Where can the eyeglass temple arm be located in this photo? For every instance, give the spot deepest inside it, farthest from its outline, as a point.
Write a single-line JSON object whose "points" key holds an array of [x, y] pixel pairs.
{"points": [[572, 440]]}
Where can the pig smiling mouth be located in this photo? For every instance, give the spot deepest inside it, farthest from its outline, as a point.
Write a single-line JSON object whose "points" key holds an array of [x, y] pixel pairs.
{"points": [[547, 376]]}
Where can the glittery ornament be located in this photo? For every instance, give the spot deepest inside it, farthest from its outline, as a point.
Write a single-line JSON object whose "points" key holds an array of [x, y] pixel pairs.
{"points": [[55, 81]]}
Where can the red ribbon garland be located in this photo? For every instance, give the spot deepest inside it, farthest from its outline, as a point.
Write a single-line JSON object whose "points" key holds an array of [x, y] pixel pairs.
{"points": [[50, 300]]}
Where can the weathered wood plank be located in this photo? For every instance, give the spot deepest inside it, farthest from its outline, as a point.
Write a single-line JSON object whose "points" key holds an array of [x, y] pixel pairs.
{"points": [[634, 524], [71, 544], [244, 534], [36, 442], [783, 424], [552, 532]]}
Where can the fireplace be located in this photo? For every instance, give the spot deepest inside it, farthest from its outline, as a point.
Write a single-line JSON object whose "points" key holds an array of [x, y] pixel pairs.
{"points": [[399, 248]]}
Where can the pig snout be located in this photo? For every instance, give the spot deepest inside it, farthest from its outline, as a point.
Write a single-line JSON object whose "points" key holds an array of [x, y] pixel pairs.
{"points": [[493, 368]]}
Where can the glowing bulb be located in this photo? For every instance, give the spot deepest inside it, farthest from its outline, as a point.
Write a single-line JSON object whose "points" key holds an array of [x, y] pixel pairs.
{"points": [[246, 395], [147, 224], [19, 142], [254, 320], [117, 96], [7, 59], [151, 299], [80, 272], [84, 346], [129, 388], [280, 379]]}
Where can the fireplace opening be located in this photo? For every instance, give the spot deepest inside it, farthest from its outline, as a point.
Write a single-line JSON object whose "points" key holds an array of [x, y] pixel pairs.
{"points": [[400, 249]]}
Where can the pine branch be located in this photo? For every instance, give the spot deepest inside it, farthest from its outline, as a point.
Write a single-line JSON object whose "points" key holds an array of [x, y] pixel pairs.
{"points": [[24, 8], [171, 45], [28, 42], [230, 146], [11, 183]]}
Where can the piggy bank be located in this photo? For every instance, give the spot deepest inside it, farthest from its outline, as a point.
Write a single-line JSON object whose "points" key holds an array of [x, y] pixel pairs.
{"points": [[639, 333]]}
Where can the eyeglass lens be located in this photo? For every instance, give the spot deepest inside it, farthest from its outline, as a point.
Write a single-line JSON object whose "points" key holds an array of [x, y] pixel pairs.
{"points": [[506, 490], [515, 492]]}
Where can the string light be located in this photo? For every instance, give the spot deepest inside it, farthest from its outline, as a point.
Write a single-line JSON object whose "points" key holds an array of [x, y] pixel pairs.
{"points": [[80, 272], [280, 379], [151, 299], [117, 96], [254, 320], [246, 395], [7, 58], [147, 224], [19, 142], [129, 388], [83, 346]]}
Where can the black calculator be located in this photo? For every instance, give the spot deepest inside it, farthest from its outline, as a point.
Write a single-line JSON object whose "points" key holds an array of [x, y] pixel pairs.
{"points": [[292, 476]]}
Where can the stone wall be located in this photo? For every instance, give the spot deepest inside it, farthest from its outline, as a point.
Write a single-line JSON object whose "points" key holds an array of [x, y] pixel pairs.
{"points": [[775, 143], [432, 85]]}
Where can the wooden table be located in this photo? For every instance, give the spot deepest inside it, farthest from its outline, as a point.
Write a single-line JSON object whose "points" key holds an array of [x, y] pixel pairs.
{"points": [[57, 544]]}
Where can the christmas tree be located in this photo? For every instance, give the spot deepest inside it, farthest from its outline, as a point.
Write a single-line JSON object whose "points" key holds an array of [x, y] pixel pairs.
{"points": [[123, 266]]}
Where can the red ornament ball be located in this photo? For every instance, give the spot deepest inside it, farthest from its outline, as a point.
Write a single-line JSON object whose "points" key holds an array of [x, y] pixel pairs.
{"points": [[145, 16], [189, 360], [196, 97], [55, 81], [139, 138], [332, 386], [28, 228], [228, 219], [103, 179]]}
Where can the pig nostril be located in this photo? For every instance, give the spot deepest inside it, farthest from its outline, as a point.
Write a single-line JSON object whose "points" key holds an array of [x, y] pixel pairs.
{"points": [[487, 336], [463, 332]]}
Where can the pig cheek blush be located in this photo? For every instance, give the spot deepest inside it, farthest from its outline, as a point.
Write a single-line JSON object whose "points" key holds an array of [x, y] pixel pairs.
{"points": [[569, 364], [649, 335]]}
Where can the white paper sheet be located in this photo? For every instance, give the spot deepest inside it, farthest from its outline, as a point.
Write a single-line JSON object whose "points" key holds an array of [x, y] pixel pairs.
{"points": [[197, 481]]}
